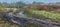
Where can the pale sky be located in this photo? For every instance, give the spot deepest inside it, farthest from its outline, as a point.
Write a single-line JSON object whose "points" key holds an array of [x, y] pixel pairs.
{"points": [[30, 1]]}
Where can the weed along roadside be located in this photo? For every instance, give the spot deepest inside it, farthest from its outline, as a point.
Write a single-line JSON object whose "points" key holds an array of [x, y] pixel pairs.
{"points": [[22, 20], [29, 13]]}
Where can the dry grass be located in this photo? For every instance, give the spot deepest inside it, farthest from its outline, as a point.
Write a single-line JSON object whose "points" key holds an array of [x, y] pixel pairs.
{"points": [[6, 24]]}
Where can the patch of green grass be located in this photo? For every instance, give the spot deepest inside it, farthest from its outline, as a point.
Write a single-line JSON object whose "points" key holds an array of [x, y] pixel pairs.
{"points": [[44, 15], [8, 9]]}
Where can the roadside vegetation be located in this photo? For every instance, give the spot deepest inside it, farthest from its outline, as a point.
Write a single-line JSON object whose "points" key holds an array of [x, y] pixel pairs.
{"points": [[35, 10], [44, 15]]}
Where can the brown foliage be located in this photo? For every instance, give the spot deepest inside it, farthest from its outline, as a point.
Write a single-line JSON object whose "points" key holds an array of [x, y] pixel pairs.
{"points": [[49, 8]]}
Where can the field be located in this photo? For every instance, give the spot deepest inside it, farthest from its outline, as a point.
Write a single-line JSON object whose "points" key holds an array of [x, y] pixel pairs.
{"points": [[5, 23], [32, 13], [44, 15]]}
